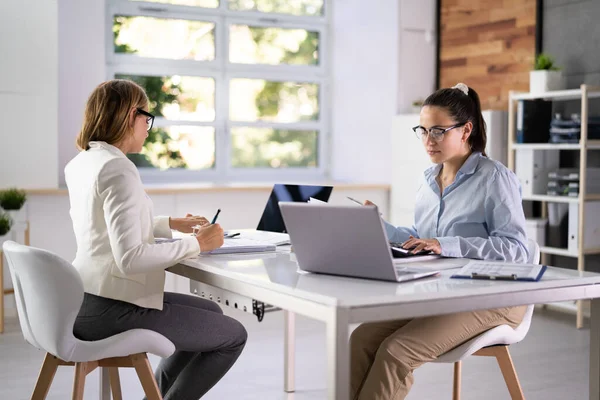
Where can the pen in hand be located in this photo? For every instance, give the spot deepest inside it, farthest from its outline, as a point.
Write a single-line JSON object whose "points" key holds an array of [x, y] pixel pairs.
{"points": [[215, 218]]}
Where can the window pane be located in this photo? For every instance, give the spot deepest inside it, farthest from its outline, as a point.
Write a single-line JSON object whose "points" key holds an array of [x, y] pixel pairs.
{"points": [[195, 3], [255, 45], [178, 97], [273, 148], [294, 7], [260, 100], [174, 39], [190, 147]]}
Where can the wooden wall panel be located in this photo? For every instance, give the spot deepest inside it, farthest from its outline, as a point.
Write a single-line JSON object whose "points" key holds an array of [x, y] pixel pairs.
{"points": [[489, 45]]}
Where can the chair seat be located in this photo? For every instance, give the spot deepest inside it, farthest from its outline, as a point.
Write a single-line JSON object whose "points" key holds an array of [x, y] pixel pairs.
{"points": [[123, 344], [500, 335]]}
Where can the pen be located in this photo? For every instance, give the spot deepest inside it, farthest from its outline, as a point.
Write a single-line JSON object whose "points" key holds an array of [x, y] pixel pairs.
{"points": [[215, 218], [354, 200], [232, 235], [511, 277]]}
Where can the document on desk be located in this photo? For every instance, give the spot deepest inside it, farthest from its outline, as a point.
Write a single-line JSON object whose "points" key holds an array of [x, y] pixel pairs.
{"points": [[497, 270], [241, 245]]}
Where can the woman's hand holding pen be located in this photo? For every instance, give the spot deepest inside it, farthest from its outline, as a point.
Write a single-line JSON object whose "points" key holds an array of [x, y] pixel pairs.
{"points": [[186, 225], [422, 244], [210, 237]]}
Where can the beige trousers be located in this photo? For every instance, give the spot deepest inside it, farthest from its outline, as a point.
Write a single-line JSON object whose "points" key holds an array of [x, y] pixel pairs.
{"points": [[385, 354]]}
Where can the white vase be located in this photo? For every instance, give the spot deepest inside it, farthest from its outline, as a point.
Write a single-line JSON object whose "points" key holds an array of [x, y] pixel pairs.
{"points": [[17, 216], [6, 274], [544, 81]]}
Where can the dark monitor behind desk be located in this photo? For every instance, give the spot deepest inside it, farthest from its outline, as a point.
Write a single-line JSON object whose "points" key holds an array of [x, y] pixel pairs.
{"points": [[272, 220]]}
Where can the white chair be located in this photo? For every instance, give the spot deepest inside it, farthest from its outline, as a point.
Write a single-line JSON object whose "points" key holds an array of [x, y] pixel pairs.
{"points": [[49, 293], [494, 343]]}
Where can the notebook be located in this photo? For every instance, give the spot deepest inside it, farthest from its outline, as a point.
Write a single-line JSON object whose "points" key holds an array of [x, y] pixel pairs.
{"points": [[497, 270]]}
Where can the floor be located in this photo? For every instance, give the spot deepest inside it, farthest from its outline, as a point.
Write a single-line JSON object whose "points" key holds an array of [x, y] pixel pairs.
{"points": [[551, 362]]}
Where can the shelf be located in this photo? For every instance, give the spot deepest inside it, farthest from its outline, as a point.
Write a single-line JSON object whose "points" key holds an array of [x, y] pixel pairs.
{"points": [[551, 199], [557, 251], [560, 199], [570, 94], [592, 251], [591, 145]]}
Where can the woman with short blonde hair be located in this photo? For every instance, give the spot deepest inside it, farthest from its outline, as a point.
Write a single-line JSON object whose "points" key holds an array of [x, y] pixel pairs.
{"points": [[120, 263]]}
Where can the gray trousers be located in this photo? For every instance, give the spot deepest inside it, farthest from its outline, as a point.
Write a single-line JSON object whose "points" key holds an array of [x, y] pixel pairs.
{"points": [[207, 342]]}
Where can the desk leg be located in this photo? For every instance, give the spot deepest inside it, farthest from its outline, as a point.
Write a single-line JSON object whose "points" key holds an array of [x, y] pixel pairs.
{"points": [[338, 357], [289, 351], [104, 384], [595, 350]]}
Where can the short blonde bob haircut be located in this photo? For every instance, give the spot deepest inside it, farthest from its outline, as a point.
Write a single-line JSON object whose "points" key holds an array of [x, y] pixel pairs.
{"points": [[106, 116]]}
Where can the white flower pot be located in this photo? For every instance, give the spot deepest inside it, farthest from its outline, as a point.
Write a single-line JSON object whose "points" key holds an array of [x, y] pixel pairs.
{"points": [[544, 81], [18, 216], [6, 272]]}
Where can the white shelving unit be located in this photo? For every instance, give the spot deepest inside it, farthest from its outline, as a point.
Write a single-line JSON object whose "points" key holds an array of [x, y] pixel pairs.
{"points": [[583, 93]]}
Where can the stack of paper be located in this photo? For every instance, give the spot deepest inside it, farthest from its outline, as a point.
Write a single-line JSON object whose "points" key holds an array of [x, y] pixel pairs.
{"points": [[241, 245]]}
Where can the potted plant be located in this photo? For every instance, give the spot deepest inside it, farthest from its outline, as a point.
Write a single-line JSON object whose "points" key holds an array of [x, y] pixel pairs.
{"points": [[546, 76], [12, 201], [416, 106], [5, 224]]}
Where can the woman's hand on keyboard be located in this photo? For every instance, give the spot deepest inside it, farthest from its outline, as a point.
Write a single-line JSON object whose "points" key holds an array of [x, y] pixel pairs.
{"points": [[418, 245], [210, 237]]}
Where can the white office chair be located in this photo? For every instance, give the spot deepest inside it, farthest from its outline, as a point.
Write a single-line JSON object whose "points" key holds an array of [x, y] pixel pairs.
{"points": [[494, 343], [49, 293]]}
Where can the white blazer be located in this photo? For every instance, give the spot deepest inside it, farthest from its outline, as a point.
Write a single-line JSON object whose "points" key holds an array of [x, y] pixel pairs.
{"points": [[117, 256]]}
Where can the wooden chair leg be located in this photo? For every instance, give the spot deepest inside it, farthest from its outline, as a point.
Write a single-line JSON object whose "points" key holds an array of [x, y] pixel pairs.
{"points": [[45, 378], [508, 371], [456, 385], [79, 381], [115, 383], [144, 371]]}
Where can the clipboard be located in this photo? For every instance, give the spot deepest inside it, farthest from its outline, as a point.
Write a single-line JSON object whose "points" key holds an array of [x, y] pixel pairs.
{"points": [[501, 271]]}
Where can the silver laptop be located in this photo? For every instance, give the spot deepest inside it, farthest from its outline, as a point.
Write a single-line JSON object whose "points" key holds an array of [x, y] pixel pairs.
{"points": [[344, 240]]}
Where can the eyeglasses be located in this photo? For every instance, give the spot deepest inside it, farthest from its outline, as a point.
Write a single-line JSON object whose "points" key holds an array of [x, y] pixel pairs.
{"points": [[149, 117], [436, 133]]}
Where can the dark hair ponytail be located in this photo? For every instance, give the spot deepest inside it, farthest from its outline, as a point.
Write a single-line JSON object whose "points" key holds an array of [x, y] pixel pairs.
{"points": [[462, 108]]}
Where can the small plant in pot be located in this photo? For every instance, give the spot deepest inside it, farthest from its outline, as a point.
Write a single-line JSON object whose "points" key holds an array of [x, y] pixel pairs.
{"points": [[5, 224], [416, 105], [546, 76], [12, 200]]}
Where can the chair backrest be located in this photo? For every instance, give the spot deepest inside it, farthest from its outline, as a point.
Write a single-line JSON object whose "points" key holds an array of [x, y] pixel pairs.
{"points": [[534, 252], [49, 294]]}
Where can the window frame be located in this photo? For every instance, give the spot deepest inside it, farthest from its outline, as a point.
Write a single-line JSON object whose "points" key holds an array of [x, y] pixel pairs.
{"points": [[222, 71]]}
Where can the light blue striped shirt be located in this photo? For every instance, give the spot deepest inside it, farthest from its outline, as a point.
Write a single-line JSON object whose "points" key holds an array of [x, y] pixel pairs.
{"points": [[479, 216]]}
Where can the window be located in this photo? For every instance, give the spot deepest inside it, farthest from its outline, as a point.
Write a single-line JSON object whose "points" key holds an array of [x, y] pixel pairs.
{"points": [[239, 87]]}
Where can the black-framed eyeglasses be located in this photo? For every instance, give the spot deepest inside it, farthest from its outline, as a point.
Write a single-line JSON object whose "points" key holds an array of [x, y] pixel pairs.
{"points": [[436, 132], [149, 117]]}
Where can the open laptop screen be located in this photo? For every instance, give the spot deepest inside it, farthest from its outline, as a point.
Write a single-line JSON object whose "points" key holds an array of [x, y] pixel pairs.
{"points": [[272, 220]]}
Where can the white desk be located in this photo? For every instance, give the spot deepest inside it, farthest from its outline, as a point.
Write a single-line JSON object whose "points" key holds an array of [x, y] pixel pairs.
{"points": [[273, 279]]}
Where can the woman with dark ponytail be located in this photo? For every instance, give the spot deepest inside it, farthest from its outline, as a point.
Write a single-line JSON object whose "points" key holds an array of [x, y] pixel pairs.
{"points": [[467, 206]]}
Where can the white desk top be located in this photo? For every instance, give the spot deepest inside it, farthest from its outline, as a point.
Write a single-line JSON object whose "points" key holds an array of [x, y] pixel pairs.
{"points": [[279, 272]]}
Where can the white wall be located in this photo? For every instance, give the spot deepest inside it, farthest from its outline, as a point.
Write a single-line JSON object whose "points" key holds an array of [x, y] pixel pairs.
{"points": [[28, 93], [418, 52], [82, 66], [364, 47]]}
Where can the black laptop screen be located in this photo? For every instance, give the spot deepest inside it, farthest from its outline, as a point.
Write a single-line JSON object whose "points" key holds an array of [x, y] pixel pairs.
{"points": [[272, 220]]}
